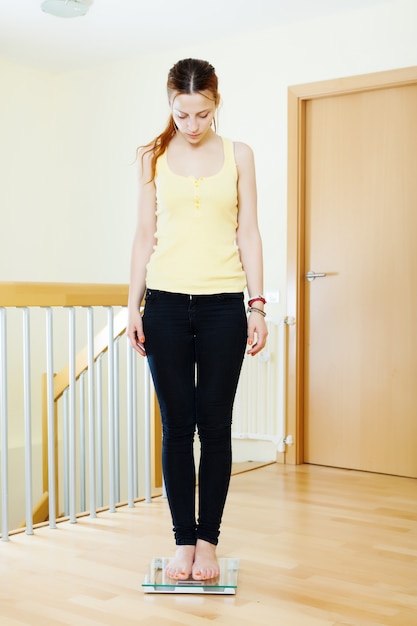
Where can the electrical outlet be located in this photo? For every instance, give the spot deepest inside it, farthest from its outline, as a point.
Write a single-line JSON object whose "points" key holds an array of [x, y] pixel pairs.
{"points": [[272, 297]]}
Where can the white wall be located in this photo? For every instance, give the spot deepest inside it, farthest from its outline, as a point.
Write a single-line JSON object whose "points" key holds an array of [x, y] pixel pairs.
{"points": [[25, 138], [68, 140]]}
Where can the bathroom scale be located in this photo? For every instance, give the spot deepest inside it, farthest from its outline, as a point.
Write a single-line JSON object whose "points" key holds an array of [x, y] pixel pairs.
{"points": [[156, 581]]}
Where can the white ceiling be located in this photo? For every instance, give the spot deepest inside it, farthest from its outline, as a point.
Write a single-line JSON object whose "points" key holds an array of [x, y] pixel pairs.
{"points": [[119, 29]]}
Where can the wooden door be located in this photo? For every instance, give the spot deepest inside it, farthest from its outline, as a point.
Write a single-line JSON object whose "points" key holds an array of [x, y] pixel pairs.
{"points": [[357, 326]]}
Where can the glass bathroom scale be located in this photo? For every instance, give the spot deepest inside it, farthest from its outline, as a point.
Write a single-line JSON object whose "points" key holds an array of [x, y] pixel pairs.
{"points": [[156, 581]]}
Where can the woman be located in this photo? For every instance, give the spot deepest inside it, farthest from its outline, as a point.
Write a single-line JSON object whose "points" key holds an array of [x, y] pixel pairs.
{"points": [[196, 248]]}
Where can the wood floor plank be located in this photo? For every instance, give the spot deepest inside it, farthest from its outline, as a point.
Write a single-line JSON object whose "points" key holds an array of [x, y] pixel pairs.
{"points": [[318, 547]]}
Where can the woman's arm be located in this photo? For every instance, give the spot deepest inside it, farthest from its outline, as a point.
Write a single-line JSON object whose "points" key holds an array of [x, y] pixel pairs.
{"points": [[143, 244], [249, 242]]}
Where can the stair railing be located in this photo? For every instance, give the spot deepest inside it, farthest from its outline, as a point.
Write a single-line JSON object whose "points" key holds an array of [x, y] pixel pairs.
{"points": [[70, 441]]}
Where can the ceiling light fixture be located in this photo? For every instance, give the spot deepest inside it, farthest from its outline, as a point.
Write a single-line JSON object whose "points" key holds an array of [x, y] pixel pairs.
{"points": [[66, 8]]}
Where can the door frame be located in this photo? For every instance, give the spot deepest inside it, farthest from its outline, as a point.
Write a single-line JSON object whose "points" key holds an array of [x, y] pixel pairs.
{"points": [[298, 95]]}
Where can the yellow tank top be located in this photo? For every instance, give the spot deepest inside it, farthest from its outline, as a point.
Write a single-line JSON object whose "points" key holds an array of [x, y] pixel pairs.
{"points": [[196, 251]]}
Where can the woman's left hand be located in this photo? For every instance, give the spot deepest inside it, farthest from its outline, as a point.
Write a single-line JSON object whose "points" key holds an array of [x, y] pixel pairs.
{"points": [[257, 333]]}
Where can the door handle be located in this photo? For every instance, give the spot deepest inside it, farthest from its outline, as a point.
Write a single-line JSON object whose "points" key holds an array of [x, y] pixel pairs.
{"points": [[313, 275], [289, 320]]}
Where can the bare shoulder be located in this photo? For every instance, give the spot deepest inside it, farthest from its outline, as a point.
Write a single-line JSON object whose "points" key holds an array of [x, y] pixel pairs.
{"points": [[243, 154], [244, 157], [242, 150]]}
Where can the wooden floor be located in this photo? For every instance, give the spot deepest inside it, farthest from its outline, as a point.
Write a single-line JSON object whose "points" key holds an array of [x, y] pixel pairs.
{"points": [[318, 547]]}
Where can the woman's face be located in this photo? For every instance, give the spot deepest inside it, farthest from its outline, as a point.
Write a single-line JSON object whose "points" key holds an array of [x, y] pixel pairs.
{"points": [[193, 114]]}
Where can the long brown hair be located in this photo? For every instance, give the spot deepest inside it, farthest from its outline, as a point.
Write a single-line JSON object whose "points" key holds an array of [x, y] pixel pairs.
{"points": [[185, 77]]}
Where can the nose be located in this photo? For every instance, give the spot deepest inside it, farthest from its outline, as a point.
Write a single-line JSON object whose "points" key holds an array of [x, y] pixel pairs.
{"points": [[192, 124]]}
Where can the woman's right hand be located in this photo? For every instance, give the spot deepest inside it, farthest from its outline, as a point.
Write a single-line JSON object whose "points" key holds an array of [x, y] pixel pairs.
{"points": [[135, 333]]}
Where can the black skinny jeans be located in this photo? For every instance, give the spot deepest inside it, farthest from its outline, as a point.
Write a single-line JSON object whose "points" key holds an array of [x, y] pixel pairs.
{"points": [[195, 347]]}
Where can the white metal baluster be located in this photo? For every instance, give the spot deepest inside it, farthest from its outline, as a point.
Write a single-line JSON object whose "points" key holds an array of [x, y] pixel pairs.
{"points": [[116, 422], [130, 468], [282, 351], [263, 390], [3, 429], [91, 413], [110, 386], [148, 469], [245, 398], [274, 376], [99, 370], [270, 387], [65, 402], [135, 429], [258, 400], [82, 442], [72, 416], [28, 420], [249, 395], [51, 416]]}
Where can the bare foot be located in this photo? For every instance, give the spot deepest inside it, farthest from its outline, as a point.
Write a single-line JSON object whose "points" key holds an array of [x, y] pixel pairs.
{"points": [[205, 565], [180, 566]]}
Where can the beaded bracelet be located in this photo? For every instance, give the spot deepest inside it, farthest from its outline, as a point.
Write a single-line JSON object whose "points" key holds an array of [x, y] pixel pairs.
{"points": [[257, 299], [252, 309]]}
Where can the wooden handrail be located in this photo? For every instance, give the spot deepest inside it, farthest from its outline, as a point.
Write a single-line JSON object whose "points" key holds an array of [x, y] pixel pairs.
{"points": [[61, 380], [18, 294]]}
